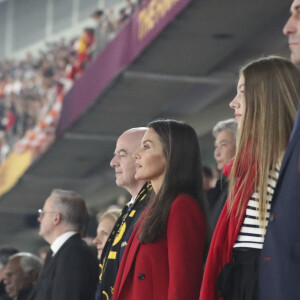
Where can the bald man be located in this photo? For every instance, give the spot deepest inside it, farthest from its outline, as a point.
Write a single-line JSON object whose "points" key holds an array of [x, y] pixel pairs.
{"points": [[124, 164]]}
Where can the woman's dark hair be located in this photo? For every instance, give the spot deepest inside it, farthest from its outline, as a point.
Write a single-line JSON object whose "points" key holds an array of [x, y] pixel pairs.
{"points": [[183, 175]]}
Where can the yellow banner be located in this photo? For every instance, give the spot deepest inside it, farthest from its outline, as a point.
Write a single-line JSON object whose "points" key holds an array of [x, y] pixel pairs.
{"points": [[13, 168], [150, 15]]}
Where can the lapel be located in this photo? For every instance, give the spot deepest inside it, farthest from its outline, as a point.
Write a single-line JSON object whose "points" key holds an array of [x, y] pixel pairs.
{"points": [[52, 262], [47, 267], [287, 157], [129, 256], [288, 153], [46, 271]]}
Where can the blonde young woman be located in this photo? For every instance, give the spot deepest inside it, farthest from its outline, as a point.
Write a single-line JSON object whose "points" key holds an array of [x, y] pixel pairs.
{"points": [[265, 108]]}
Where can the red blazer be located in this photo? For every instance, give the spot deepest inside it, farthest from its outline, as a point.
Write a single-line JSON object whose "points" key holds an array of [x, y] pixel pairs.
{"points": [[170, 268]]}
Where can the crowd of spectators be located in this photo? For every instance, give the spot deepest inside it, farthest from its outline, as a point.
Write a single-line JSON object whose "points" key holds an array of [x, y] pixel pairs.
{"points": [[32, 89]]}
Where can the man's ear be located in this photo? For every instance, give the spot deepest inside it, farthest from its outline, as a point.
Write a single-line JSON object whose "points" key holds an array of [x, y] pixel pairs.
{"points": [[57, 218]]}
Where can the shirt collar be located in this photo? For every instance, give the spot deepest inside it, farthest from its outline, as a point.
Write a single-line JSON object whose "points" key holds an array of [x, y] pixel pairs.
{"points": [[132, 200], [58, 242]]}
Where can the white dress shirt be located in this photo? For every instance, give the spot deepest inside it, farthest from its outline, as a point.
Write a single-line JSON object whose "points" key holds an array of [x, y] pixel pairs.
{"points": [[58, 242]]}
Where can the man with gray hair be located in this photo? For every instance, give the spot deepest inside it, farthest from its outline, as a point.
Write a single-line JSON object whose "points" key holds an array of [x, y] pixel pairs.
{"points": [[224, 133], [70, 271], [20, 274], [5, 253]]}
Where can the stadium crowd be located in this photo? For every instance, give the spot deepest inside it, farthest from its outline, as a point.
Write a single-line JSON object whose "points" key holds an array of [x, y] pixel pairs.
{"points": [[32, 89]]}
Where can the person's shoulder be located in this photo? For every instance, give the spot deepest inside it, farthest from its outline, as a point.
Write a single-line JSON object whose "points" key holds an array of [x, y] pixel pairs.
{"points": [[185, 207], [77, 245], [185, 201], [184, 197], [77, 252], [74, 239]]}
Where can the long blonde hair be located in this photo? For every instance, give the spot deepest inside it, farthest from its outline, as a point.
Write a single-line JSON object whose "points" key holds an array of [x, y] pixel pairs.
{"points": [[272, 92]]}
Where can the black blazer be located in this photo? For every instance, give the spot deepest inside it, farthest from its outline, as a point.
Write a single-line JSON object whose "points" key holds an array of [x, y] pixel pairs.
{"points": [[279, 275], [71, 274]]}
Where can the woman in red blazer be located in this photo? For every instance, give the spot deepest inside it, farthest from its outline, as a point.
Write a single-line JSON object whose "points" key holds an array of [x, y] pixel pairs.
{"points": [[164, 256]]}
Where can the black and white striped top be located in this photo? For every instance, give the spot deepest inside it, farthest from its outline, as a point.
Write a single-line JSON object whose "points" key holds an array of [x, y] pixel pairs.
{"points": [[251, 235]]}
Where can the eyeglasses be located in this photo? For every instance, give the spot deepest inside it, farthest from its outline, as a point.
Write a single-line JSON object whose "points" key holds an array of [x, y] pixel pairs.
{"points": [[42, 213]]}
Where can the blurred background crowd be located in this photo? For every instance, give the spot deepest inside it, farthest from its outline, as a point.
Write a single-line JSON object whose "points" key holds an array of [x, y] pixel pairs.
{"points": [[32, 89]]}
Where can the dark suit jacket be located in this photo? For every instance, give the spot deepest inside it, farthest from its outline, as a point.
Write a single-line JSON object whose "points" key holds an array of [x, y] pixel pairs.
{"points": [[217, 197], [3, 294], [24, 293], [71, 274], [280, 259]]}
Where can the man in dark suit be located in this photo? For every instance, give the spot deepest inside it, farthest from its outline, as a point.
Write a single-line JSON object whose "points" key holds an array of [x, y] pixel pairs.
{"points": [[279, 275], [20, 274], [70, 272]]}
